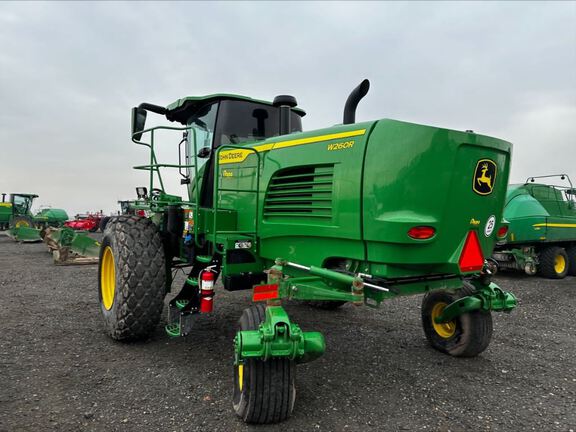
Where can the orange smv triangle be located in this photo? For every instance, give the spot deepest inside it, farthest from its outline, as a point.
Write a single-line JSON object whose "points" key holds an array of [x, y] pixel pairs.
{"points": [[471, 258]]}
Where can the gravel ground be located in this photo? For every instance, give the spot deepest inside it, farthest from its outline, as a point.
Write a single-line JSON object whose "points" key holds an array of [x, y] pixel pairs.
{"points": [[60, 372]]}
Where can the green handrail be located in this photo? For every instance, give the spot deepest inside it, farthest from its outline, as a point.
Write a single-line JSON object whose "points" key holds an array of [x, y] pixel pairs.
{"points": [[154, 167]]}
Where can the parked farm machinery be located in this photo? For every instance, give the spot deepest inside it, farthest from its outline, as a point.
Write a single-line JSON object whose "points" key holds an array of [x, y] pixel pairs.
{"points": [[542, 231], [16, 216], [127, 207], [71, 247], [356, 213], [86, 222]]}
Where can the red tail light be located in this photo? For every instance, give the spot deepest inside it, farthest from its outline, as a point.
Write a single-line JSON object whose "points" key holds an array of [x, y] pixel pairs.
{"points": [[422, 232], [141, 213], [472, 258], [502, 231], [265, 292]]}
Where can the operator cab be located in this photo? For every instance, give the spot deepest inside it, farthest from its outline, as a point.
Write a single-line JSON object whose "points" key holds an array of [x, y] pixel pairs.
{"points": [[228, 122], [221, 119], [22, 203], [232, 120]]}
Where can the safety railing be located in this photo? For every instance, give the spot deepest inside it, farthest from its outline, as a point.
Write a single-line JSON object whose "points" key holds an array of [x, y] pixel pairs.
{"points": [[154, 168]]}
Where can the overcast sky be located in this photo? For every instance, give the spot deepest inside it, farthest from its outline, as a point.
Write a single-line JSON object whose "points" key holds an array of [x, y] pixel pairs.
{"points": [[71, 71]]}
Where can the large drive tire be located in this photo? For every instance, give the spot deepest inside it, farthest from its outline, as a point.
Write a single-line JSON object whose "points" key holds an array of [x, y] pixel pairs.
{"points": [[466, 336], [21, 221], [553, 263], [264, 391], [131, 278], [571, 252], [103, 222]]}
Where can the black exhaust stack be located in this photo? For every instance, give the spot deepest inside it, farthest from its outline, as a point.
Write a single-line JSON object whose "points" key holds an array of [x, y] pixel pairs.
{"points": [[285, 103], [3, 197], [352, 102]]}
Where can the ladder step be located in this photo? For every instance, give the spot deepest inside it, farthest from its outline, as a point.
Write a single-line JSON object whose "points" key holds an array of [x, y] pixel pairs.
{"points": [[192, 281], [181, 304], [181, 326], [204, 258], [173, 329]]}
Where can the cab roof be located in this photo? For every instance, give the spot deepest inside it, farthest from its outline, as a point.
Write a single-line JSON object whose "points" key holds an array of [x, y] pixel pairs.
{"points": [[181, 109], [24, 194]]}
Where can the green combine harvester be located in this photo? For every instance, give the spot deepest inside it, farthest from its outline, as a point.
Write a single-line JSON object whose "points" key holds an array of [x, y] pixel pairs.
{"points": [[16, 217], [542, 232], [355, 213]]}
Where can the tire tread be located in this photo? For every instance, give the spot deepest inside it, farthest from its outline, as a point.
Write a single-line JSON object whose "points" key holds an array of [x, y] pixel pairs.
{"points": [[140, 277], [547, 259], [270, 382]]}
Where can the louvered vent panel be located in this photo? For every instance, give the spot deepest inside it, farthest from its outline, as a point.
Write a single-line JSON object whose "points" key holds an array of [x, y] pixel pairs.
{"points": [[300, 192]]}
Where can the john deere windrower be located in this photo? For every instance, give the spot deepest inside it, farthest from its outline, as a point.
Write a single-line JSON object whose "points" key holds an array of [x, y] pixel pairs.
{"points": [[356, 213]]}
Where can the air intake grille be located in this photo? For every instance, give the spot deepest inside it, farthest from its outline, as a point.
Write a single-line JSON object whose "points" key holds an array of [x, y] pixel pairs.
{"points": [[300, 192]]}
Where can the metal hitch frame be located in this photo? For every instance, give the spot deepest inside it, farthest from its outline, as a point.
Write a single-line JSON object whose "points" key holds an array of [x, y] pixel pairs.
{"points": [[277, 337], [487, 298]]}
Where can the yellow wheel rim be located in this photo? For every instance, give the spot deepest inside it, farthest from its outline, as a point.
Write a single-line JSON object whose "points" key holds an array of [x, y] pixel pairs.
{"points": [[559, 264], [444, 330], [107, 278], [240, 376], [22, 224]]}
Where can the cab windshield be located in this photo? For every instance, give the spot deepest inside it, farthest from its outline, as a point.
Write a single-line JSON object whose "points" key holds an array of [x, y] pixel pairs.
{"points": [[227, 122], [243, 121], [22, 203]]}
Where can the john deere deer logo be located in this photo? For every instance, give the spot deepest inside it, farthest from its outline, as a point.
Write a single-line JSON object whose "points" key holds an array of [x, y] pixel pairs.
{"points": [[484, 177]]}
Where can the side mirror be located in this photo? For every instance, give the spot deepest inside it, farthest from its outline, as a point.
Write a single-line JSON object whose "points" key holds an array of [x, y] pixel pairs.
{"points": [[141, 192], [204, 152], [138, 122]]}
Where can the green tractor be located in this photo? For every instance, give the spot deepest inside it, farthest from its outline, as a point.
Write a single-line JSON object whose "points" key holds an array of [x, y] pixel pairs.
{"points": [[542, 232], [16, 211], [16, 215], [356, 213]]}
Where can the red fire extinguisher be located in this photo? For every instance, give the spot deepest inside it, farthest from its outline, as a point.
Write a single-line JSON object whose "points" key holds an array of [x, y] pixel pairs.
{"points": [[207, 279]]}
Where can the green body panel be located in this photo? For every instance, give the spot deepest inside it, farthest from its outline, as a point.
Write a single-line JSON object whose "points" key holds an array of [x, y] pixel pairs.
{"points": [[376, 185], [5, 212], [419, 175], [539, 213]]}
